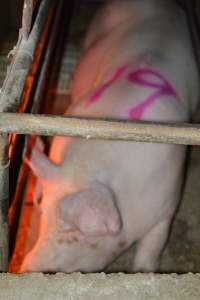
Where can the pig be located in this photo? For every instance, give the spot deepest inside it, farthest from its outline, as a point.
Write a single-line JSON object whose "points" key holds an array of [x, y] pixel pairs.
{"points": [[100, 197]]}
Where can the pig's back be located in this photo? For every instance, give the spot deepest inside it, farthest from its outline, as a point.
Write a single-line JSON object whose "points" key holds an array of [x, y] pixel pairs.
{"points": [[157, 35]]}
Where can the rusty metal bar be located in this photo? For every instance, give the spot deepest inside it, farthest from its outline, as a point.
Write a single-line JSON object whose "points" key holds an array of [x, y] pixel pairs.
{"points": [[4, 192], [152, 132], [51, 43], [10, 97], [22, 57]]}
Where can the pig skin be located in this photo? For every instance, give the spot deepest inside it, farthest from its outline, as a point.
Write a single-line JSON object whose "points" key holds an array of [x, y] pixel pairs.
{"points": [[99, 197]]}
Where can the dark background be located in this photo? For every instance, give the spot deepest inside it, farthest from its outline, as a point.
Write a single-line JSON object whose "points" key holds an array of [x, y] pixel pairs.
{"points": [[10, 16]]}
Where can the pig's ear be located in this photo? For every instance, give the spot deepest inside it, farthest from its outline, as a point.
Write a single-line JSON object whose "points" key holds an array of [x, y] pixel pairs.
{"points": [[91, 211], [41, 165]]}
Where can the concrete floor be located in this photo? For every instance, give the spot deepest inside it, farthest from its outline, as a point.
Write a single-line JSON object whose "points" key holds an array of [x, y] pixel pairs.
{"points": [[99, 287]]}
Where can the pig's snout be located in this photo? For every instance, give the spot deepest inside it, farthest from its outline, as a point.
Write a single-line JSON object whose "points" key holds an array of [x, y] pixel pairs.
{"points": [[93, 211], [83, 217]]}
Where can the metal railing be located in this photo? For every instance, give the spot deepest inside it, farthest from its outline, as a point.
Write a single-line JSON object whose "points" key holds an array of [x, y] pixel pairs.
{"points": [[29, 36]]}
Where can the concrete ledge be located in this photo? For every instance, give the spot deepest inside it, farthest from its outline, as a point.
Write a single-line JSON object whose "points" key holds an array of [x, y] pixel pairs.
{"points": [[99, 286]]}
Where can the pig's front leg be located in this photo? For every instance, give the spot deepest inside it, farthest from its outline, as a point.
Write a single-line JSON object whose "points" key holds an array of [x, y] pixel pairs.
{"points": [[149, 248]]}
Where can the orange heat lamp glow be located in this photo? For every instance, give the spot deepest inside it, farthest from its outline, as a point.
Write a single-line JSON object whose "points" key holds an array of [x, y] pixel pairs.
{"points": [[23, 232], [23, 236]]}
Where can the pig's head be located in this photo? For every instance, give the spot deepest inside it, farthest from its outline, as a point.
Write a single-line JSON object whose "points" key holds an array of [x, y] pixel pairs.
{"points": [[78, 220]]}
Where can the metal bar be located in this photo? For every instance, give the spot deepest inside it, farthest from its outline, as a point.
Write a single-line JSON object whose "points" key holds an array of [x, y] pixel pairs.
{"points": [[152, 132], [52, 40], [10, 97], [4, 192], [23, 55]]}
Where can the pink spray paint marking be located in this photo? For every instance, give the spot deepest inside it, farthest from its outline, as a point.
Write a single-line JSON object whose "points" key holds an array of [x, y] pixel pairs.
{"points": [[164, 88], [100, 91]]}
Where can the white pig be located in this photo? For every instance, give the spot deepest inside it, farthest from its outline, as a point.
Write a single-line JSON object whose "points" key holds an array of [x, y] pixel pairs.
{"points": [[99, 197]]}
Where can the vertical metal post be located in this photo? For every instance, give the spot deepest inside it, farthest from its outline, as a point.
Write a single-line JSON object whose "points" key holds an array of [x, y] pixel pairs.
{"points": [[4, 198], [10, 97]]}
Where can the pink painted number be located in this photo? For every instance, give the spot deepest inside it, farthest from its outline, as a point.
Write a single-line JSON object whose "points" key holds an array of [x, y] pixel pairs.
{"points": [[138, 76], [163, 88]]}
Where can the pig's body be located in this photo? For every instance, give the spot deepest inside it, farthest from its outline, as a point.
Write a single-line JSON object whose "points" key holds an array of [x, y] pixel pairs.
{"points": [[105, 195]]}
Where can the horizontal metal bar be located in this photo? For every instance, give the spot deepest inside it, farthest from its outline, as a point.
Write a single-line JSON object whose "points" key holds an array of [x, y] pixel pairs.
{"points": [[169, 133]]}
